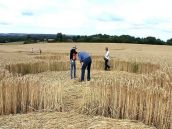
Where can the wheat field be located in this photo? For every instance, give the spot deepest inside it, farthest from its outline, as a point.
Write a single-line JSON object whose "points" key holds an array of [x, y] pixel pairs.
{"points": [[36, 90]]}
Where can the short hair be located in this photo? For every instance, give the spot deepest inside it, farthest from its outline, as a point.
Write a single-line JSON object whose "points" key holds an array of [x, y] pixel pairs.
{"points": [[74, 47], [106, 48]]}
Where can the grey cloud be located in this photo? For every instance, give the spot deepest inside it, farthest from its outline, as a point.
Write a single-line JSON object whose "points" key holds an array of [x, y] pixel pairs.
{"points": [[3, 6], [4, 23], [138, 26], [109, 18], [156, 21], [165, 31], [27, 13], [144, 26], [113, 18], [150, 23]]}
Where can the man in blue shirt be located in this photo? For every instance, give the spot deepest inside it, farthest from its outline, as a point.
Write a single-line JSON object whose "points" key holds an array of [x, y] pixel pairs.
{"points": [[86, 61]]}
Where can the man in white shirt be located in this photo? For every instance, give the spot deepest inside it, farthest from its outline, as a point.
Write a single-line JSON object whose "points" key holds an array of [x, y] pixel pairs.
{"points": [[107, 58]]}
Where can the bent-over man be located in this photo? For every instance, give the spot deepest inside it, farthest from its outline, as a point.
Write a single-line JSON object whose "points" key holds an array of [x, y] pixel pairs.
{"points": [[86, 61]]}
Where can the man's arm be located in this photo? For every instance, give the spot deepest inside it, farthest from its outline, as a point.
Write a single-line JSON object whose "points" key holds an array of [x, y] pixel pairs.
{"points": [[81, 62], [70, 54]]}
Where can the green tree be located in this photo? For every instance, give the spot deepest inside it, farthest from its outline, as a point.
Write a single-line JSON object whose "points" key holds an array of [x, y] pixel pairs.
{"points": [[169, 41], [59, 37]]}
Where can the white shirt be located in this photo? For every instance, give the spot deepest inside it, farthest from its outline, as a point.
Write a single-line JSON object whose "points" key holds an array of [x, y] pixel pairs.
{"points": [[107, 55]]}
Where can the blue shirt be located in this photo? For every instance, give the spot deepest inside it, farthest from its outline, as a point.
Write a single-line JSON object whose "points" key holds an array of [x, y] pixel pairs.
{"points": [[82, 56]]}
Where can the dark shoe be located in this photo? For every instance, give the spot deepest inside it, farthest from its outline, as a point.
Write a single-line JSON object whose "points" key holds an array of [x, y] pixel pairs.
{"points": [[81, 80]]}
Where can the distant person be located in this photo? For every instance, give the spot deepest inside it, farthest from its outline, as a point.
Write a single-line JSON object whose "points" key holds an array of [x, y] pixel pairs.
{"points": [[73, 54], [40, 51], [32, 50], [86, 61], [107, 58]]}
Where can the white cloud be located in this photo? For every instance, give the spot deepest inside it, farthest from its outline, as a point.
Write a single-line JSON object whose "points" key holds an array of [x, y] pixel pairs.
{"points": [[134, 17]]}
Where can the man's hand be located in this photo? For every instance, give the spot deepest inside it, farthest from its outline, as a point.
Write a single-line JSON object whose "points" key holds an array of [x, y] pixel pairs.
{"points": [[81, 64]]}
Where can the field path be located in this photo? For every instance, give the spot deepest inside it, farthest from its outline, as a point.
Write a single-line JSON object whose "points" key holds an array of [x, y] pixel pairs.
{"points": [[73, 92]]}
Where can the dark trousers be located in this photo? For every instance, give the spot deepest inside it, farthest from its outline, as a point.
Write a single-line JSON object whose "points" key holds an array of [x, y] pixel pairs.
{"points": [[86, 64], [72, 68], [107, 64]]}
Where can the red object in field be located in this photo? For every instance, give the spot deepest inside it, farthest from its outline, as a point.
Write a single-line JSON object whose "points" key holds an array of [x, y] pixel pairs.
{"points": [[74, 56]]}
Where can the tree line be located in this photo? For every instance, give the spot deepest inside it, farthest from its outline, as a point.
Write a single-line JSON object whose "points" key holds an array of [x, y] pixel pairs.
{"points": [[100, 38], [26, 38]]}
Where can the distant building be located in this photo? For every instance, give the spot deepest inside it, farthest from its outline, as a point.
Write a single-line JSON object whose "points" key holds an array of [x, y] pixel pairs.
{"points": [[69, 40], [50, 40]]}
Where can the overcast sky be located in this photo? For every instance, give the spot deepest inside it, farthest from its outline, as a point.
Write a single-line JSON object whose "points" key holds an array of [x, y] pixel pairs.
{"points": [[85, 17]]}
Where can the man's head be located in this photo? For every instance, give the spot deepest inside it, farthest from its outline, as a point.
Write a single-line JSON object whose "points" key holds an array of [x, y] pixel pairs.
{"points": [[75, 47], [106, 48]]}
